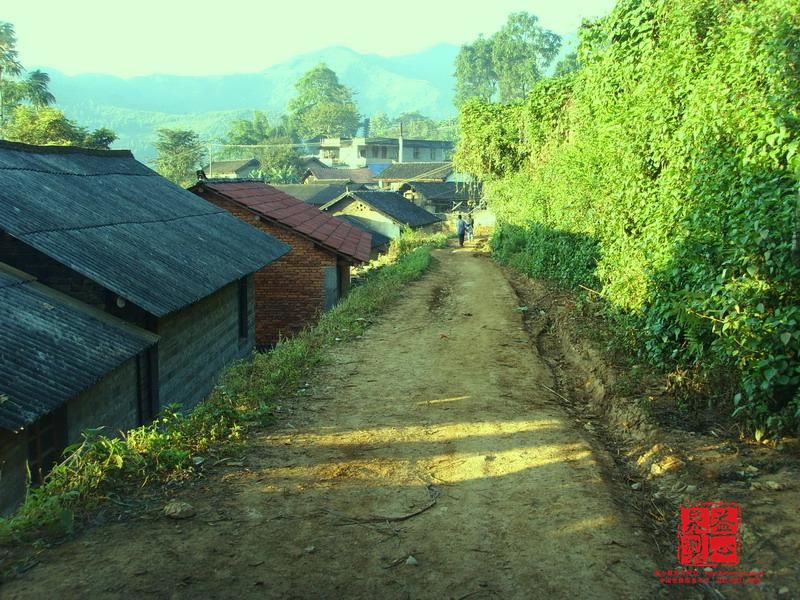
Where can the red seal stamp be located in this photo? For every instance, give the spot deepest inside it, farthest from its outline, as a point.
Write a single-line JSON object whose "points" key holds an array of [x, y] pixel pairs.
{"points": [[708, 534]]}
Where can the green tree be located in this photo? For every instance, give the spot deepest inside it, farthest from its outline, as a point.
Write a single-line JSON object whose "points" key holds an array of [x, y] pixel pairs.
{"points": [[180, 154], [323, 106], [568, 64], [49, 126], [506, 66], [272, 146], [14, 89], [475, 74], [521, 51], [380, 125]]}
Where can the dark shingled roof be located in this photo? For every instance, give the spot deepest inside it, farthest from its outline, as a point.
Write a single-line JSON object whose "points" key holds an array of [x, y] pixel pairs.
{"points": [[52, 348], [313, 193], [276, 206], [447, 190], [415, 171], [391, 204], [230, 166], [110, 218], [334, 175], [378, 239]]}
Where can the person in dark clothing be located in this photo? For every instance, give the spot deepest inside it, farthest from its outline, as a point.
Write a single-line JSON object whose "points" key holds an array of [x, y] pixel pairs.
{"points": [[461, 228]]}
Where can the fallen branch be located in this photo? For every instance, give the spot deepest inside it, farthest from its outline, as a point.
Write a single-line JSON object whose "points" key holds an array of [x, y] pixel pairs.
{"points": [[552, 391], [383, 519]]}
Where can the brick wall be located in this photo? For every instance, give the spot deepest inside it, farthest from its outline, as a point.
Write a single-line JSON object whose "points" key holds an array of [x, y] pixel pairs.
{"points": [[198, 342], [290, 292]]}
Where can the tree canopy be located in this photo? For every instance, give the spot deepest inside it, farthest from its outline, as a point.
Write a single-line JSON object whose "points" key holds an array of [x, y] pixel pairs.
{"points": [[14, 88], [323, 106], [25, 100], [180, 154], [506, 66], [273, 146]]}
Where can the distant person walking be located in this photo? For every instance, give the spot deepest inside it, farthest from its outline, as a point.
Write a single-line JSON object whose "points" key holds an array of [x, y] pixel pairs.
{"points": [[461, 228], [470, 228]]}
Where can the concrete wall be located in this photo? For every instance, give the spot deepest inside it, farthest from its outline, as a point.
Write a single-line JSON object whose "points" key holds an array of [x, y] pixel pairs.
{"points": [[370, 217], [53, 274], [112, 403], [63, 279], [198, 342]]}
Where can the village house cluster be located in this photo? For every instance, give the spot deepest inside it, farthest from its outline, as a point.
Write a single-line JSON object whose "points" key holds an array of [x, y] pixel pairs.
{"points": [[122, 293]]}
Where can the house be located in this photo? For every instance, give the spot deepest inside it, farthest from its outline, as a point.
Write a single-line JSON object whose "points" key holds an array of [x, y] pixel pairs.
{"points": [[441, 197], [313, 276], [385, 212], [332, 176], [107, 231], [359, 152], [380, 242], [64, 367], [232, 169], [398, 173], [316, 194]]}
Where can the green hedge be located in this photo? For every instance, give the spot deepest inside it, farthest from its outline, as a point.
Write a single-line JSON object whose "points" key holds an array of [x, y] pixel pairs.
{"points": [[672, 155]]}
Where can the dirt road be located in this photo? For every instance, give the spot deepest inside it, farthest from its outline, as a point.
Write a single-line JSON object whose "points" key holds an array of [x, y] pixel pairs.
{"points": [[429, 461]]}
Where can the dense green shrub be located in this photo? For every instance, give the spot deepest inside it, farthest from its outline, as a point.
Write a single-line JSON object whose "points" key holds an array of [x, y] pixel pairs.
{"points": [[674, 148]]}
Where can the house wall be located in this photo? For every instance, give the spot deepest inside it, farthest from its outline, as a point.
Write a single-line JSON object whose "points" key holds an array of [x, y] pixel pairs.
{"points": [[290, 292], [198, 341], [370, 217], [13, 456], [111, 403], [63, 279]]}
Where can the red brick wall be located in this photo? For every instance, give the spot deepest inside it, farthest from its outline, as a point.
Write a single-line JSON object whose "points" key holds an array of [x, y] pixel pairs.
{"points": [[290, 292]]}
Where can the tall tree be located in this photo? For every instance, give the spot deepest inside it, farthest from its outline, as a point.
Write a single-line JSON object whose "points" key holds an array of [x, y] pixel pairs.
{"points": [[49, 126], [521, 52], [9, 65], [323, 106], [475, 74], [180, 154], [271, 145], [505, 66]]}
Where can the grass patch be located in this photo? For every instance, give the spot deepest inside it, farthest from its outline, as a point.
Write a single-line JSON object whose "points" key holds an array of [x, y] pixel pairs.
{"points": [[244, 396]]}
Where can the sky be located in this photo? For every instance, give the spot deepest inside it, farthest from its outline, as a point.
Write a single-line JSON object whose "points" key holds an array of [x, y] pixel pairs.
{"points": [[184, 37]]}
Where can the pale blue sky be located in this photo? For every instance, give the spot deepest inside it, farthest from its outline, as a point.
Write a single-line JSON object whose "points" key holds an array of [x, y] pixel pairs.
{"points": [[185, 37]]}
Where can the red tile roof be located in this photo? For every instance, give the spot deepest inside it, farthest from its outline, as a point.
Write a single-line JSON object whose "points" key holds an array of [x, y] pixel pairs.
{"points": [[277, 206]]}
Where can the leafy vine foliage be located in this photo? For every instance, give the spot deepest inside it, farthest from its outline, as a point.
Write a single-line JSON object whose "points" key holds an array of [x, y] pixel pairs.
{"points": [[664, 172]]}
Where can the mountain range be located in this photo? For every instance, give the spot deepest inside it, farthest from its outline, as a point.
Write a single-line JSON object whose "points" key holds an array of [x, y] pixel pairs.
{"points": [[135, 108]]}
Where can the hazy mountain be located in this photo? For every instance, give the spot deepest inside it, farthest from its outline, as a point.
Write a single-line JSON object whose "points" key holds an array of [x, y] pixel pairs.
{"points": [[134, 108]]}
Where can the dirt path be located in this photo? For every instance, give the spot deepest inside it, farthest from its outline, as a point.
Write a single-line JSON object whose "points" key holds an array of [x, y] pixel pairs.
{"points": [[433, 437]]}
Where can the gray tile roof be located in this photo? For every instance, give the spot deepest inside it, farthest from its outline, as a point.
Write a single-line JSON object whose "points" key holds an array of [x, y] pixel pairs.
{"points": [[432, 171], [52, 348], [110, 218], [314, 193], [391, 204]]}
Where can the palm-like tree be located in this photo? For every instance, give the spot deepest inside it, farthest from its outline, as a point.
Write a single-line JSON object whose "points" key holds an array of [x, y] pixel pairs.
{"points": [[9, 64], [35, 89]]}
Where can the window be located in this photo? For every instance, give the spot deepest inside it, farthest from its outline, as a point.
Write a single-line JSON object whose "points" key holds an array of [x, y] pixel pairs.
{"points": [[244, 324], [383, 151], [374, 152], [433, 153], [416, 153]]}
